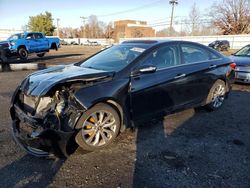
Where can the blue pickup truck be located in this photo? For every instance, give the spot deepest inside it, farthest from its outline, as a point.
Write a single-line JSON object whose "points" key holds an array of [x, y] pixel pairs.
{"points": [[22, 44]]}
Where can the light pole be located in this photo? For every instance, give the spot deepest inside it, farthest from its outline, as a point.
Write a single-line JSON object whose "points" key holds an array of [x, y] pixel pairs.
{"points": [[57, 25], [83, 21], [173, 3]]}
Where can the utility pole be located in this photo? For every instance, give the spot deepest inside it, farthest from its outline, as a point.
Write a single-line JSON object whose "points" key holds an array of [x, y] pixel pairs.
{"points": [[173, 3], [83, 22], [57, 25]]}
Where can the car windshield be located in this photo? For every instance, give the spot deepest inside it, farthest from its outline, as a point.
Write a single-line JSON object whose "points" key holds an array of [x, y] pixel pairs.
{"points": [[114, 58], [16, 36], [245, 51]]}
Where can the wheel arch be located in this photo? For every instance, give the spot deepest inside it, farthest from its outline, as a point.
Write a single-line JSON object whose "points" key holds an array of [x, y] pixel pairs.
{"points": [[53, 46], [21, 46], [224, 79]]}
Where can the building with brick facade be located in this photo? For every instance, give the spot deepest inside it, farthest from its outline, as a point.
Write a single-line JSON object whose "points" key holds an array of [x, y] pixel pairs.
{"points": [[132, 29]]}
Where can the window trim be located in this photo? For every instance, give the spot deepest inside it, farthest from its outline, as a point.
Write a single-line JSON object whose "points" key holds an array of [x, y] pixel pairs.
{"points": [[184, 64]]}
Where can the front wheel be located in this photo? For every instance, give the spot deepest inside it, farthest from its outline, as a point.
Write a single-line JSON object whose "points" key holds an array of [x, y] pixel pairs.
{"points": [[99, 126], [23, 53], [216, 95]]}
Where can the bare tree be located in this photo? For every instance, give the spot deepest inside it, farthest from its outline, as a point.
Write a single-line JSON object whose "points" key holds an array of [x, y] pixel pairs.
{"points": [[195, 19], [231, 16], [95, 28], [109, 31], [165, 32]]}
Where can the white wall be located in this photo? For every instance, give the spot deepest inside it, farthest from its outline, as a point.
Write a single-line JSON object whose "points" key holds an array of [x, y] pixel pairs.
{"points": [[5, 33], [236, 41], [101, 41]]}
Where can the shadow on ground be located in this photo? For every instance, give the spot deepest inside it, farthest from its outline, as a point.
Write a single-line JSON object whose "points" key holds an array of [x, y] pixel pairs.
{"points": [[195, 148], [48, 57], [29, 171]]}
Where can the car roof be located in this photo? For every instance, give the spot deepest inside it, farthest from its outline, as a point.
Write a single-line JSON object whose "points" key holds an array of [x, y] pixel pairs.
{"points": [[151, 43]]}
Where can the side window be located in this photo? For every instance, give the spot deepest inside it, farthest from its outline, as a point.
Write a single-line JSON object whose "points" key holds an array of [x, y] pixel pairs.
{"points": [[214, 56], [30, 36], [194, 54], [163, 57], [39, 36]]}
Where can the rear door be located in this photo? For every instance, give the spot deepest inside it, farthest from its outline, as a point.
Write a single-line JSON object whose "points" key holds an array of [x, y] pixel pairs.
{"points": [[200, 65], [42, 42], [31, 42]]}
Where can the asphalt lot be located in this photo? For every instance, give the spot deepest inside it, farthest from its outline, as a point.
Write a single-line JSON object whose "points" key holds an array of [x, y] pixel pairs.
{"points": [[192, 148]]}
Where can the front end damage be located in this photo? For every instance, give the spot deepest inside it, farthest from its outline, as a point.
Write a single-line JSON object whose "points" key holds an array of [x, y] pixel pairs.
{"points": [[44, 125]]}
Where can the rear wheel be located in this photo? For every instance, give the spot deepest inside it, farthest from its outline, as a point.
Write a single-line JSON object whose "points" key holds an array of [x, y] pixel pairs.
{"points": [[40, 54], [99, 126], [216, 95], [23, 53]]}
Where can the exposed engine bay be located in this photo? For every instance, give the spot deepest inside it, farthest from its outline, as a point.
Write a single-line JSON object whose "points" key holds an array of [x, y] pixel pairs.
{"points": [[47, 119]]}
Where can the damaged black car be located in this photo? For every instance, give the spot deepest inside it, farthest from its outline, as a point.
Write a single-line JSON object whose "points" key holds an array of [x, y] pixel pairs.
{"points": [[89, 103]]}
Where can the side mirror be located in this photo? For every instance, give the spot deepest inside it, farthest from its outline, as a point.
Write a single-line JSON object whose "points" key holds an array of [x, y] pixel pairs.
{"points": [[144, 69]]}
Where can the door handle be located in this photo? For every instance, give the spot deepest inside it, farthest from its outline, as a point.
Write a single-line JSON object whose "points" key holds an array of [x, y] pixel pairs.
{"points": [[212, 66], [179, 76]]}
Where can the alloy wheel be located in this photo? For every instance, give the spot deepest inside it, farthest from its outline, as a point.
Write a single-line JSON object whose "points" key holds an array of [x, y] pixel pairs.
{"points": [[99, 128], [218, 96]]}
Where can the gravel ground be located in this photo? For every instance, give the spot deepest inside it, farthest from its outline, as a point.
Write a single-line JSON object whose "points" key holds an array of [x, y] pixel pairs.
{"points": [[191, 148]]}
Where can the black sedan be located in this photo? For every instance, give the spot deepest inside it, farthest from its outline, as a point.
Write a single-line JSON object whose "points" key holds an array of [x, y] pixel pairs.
{"points": [[242, 60], [91, 102]]}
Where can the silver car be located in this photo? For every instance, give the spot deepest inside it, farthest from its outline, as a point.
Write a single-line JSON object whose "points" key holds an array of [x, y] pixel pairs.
{"points": [[242, 60]]}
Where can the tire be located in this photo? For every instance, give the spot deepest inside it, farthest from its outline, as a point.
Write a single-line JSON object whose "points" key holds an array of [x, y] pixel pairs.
{"points": [[216, 96], [23, 53], [40, 54], [99, 126]]}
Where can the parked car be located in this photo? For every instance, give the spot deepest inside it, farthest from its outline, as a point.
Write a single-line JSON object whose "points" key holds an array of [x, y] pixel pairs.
{"points": [[242, 60], [93, 100], [220, 45], [91, 43], [22, 44], [63, 42], [74, 43]]}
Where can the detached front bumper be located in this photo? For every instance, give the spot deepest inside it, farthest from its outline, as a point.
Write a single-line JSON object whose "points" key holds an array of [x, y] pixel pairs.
{"points": [[35, 140]]}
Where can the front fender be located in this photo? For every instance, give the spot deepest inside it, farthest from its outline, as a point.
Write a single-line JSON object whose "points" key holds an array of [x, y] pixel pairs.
{"points": [[114, 90]]}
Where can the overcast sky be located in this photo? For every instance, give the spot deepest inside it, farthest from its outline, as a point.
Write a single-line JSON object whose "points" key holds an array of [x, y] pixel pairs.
{"points": [[15, 13]]}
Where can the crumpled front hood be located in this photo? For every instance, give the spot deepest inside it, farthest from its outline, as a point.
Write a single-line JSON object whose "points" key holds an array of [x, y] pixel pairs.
{"points": [[4, 41], [40, 82], [241, 60]]}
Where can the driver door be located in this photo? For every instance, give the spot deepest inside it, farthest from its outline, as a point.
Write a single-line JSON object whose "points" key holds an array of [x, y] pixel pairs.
{"points": [[156, 92], [31, 42]]}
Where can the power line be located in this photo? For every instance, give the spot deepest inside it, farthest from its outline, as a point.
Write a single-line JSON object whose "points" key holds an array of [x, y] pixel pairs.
{"points": [[132, 9], [179, 23]]}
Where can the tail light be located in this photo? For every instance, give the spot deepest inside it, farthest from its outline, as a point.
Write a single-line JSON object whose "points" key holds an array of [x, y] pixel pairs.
{"points": [[232, 65]]}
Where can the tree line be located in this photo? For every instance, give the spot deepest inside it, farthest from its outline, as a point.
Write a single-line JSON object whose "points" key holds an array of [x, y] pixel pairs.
{"points": [[224, 17]]}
